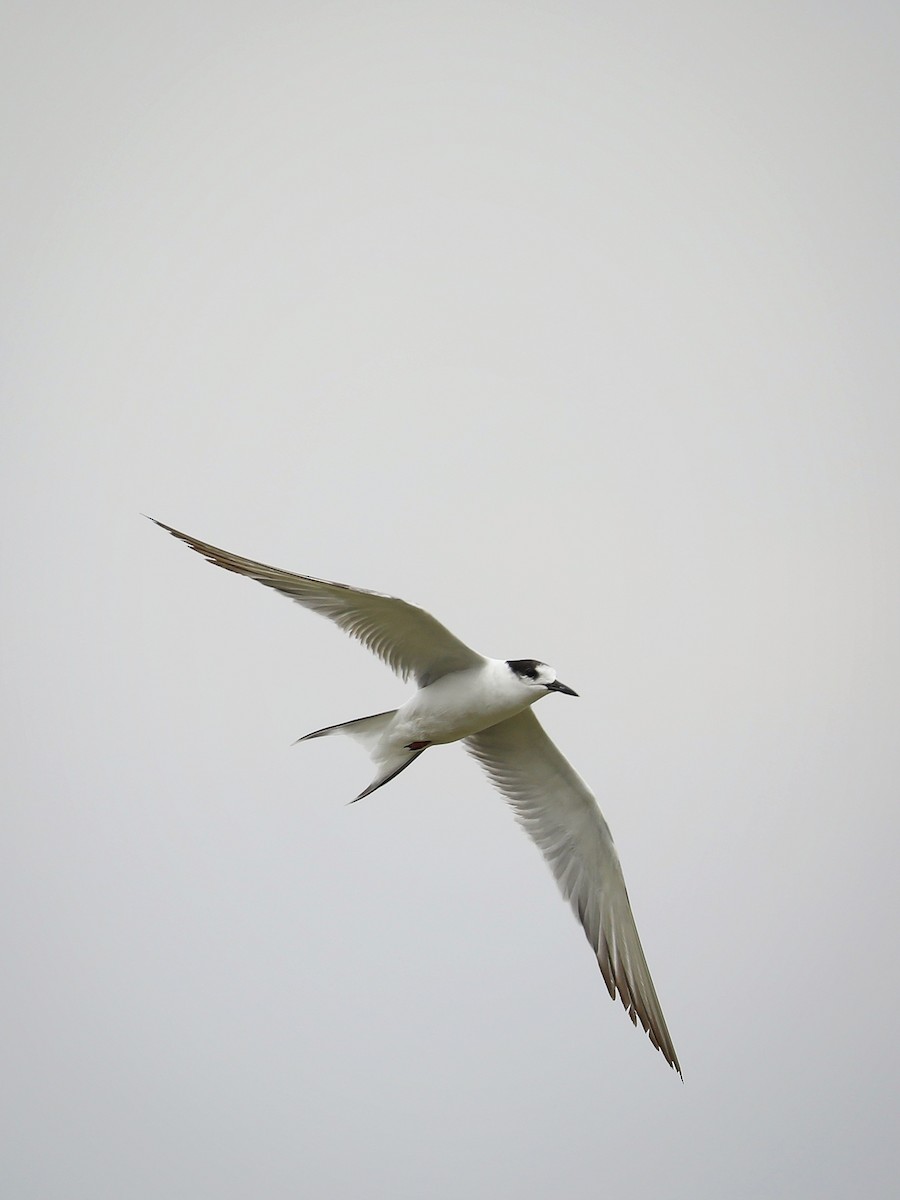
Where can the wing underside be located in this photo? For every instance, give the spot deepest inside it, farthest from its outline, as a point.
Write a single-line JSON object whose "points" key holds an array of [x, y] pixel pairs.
{"points": [[557, 809], [409, 639]]}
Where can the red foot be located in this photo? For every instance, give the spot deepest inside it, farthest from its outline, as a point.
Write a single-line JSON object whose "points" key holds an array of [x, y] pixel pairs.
{"points": [[418, 745]]}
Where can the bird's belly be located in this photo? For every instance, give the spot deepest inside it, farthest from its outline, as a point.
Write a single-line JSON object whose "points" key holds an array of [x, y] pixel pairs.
{"points": [[440, 714]]}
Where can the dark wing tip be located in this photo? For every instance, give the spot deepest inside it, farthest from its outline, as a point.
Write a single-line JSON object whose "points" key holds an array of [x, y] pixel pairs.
{"points": [[168, 528], [216, 556], [617, 982]]}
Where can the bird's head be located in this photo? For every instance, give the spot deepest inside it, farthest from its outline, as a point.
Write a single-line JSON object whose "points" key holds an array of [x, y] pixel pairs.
{"points": [[537, 675]]}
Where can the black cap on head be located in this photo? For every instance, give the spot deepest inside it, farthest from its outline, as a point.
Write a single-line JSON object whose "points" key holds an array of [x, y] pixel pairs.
{"points": [[526, 667], [537, 672]]}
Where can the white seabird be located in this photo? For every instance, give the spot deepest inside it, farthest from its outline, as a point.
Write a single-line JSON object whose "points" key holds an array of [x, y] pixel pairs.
{"points": [[485, 703]]}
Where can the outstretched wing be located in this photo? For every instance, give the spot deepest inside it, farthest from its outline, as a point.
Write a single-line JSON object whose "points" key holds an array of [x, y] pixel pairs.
{"points": [[407, 638], [556, 807]]}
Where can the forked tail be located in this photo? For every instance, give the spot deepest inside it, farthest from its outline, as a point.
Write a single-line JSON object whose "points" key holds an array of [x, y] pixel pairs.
{"points": [[369, 732]]}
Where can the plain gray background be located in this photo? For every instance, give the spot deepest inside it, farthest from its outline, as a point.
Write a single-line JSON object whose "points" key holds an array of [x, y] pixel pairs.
{"points": [[576, 323]]}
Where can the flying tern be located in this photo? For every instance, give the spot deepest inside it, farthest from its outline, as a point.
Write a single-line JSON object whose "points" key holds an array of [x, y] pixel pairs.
{"points": [[486, 703]]}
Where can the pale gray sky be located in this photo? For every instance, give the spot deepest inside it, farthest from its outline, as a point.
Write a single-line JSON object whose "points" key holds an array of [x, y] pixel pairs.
{"points": [[576, 323]]}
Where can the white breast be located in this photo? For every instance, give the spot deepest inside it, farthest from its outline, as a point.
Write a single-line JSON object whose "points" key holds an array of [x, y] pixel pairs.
{"points": [[463, 703]]}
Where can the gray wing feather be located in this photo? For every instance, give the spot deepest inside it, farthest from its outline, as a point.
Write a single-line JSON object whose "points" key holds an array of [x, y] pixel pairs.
{"points": [[558, 810], [407, 638]]}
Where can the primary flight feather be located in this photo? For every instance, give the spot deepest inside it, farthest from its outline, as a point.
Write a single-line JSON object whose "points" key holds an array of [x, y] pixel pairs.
{"points": [[486, 704]]}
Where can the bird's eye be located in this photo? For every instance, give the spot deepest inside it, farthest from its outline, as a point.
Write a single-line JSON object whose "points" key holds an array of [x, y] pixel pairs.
{"points": [[525, 668]]}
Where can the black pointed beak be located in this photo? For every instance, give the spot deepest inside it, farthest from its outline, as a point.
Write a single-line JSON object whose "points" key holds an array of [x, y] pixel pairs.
{"points": [[556, 686]]}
